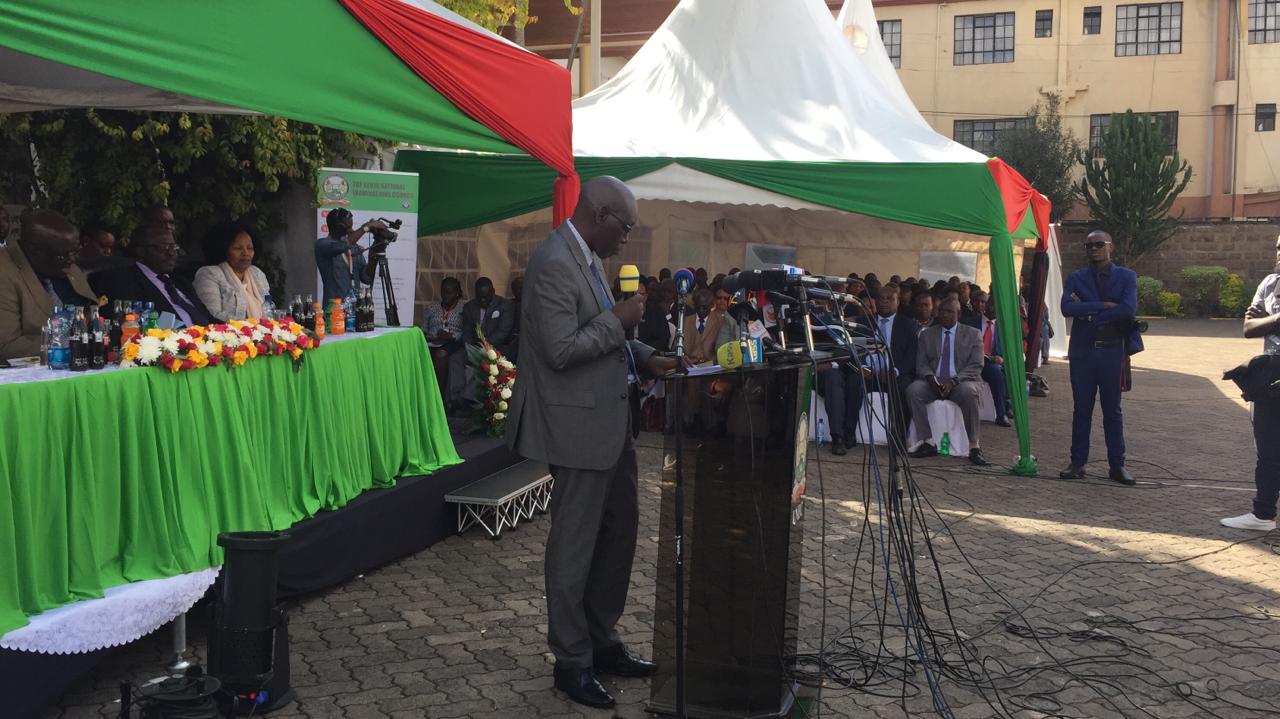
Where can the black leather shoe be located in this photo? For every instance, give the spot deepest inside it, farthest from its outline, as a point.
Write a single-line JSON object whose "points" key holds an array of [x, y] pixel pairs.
{"points": [[837, 448], [1002, 421], [583, 687], [1073, 471], [924, 450], [619, 662], [976, 458], [1121, 475]]}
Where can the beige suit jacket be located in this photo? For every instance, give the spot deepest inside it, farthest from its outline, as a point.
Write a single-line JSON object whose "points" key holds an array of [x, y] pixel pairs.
{"points": [[25, 305]]}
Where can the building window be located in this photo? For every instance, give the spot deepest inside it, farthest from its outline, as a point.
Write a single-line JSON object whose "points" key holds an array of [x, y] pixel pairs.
{"points": [[891, 35], [1264, 21], [1168, 122], [1093, 20], [981, 135], [1154, 29], [983, 39], [1044, 23], [1264, 118]]}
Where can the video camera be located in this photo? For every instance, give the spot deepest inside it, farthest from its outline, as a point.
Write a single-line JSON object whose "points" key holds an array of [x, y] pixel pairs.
{"points": [[384, 235]]}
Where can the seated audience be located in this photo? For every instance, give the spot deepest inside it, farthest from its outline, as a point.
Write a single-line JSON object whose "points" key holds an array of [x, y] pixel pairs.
{"points": [[37, 272], [488, 313], [948, 366], [150, 277], [96, 243], [442, 324], [890, 371], [993, 359], [230, 287], [655, 328], [699, 330], [922, 306]]}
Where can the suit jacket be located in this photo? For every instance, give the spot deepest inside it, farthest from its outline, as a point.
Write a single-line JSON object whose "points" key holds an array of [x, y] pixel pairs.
{"points": [[968, 348], [128, 283], [719, 328], [499, 324], [903, 343], [25, 304], [571, 403], [222, 295], [1087, 313]]}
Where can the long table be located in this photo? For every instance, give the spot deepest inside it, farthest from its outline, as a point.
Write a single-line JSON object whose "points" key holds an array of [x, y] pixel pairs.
{"points": [[117, 476]]}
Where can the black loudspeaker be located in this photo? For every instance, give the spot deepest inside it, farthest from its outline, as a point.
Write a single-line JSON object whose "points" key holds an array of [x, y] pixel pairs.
{"points": [[249, 636]]}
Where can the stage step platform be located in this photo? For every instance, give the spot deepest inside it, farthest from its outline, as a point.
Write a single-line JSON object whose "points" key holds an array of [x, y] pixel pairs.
{"points": [[503, 499]]}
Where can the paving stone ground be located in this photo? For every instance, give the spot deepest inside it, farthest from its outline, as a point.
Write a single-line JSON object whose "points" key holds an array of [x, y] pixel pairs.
{"points": [[459, 630]]}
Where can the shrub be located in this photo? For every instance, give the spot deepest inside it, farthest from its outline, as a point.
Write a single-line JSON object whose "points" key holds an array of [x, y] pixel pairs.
{"points": [[1170, 304], [1201, 285], [1149, 289], [1232, 298]]}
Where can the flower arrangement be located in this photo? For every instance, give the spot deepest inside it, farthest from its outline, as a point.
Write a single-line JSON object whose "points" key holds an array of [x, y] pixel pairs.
{"points": [[232, 344], [497, 379]]}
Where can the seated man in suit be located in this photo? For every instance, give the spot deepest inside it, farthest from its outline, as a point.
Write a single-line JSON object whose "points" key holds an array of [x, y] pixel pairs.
{"points": [[948, 366], [37, 272], [487, 313], [922, 309], [993, 358], [835, 382], [899, 332], [701, 328], [150, 278]]}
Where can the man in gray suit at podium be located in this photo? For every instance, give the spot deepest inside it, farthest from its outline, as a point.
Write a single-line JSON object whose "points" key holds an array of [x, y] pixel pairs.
{"points": [[572, 408]]}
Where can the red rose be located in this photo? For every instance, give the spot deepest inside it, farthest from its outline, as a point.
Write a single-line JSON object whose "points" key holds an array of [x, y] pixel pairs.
{"points": [[215, 360], [188, 364]]}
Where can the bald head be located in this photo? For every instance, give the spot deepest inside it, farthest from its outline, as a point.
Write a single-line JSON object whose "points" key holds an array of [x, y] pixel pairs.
{"points": [[1097, 246], [605, 214], [949, 312], [49, 241]]}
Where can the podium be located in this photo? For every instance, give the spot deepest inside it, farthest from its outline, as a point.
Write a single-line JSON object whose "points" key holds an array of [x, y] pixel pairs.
{"points": [[745, 439]]}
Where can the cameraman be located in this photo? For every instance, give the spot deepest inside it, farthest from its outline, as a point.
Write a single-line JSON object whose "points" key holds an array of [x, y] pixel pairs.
{"points": [[339, 259]]}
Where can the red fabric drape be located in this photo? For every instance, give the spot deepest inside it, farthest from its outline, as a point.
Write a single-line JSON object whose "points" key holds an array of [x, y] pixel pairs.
{"points": [[522, 97], [1017, 195]]}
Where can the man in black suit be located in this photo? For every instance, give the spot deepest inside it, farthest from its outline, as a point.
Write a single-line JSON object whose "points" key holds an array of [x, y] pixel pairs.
{"points": [[487, 313], [150, 278], [900, 332]]}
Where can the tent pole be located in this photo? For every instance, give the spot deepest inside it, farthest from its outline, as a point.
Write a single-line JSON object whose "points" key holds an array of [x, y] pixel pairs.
{"points": [[1009, 323]]}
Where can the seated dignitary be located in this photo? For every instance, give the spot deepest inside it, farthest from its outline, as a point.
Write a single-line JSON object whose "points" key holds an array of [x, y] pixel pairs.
{"points": [[948, 366], [37, 272]]}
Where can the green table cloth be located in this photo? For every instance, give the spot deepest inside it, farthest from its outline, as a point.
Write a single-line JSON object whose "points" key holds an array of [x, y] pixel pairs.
{"points": [[114, 477]]}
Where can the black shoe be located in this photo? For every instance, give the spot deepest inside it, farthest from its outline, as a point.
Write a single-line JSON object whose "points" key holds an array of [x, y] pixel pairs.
{"points": [[1121, 475], [924, 450], [1002, 421], [582, 686], [850, 442], [1073, 471], [837, 448], [976, 458], [619, 662]]}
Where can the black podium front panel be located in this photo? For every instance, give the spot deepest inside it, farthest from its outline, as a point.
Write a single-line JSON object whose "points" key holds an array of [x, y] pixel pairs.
{"points": [[744, 444]]}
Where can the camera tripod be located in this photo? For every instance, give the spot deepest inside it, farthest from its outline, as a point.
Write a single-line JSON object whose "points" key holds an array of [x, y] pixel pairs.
{"points": [[388, 295]]}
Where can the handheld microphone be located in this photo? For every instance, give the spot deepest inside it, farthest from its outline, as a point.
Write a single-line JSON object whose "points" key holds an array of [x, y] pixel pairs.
{"points": [[629, 280], [684, 281]]}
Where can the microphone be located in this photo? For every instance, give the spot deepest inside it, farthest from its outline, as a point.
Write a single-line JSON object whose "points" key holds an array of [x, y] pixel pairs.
{"points": [[774, 280], [684, 281], [629, 280], [815, 293]]}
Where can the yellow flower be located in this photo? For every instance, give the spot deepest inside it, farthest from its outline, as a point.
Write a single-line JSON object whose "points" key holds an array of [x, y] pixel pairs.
{"points": [[131, 351], [102, 300], [174, 367], [198, 358], [238, 358], [295, 352], [156, 332], [217, 348], [253, 349]]}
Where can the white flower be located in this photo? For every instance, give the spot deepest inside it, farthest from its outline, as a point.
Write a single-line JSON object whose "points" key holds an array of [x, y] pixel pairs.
{"points": [[491, 354], [500, 415], [206, 348], [148, 350], [506, 393], [504, 363], [170, 344], [502, 406], [493, 370], [491, 381]]}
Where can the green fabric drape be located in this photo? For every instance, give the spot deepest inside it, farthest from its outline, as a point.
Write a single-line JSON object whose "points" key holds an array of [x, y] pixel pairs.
{"points": [[311, 62], [129, 475], [1009, 320]]}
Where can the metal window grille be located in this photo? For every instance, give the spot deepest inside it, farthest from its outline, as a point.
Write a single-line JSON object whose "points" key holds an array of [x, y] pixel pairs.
{"points": [[1264, 118], [891, 35], [981, 135], [1264, 21], [1044, 23], [1151, 29], [983, 39], [1168, 122]]}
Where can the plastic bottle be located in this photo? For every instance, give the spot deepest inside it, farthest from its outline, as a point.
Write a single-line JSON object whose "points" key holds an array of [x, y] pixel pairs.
{"points": [[944, 448], [268, 307], [100, 343], [129, 329], [337, 317], [149, 316], [295, 308], [822, 432], [318, 313], [46, 333], [349, 311], [59, 340], [80, 344]]}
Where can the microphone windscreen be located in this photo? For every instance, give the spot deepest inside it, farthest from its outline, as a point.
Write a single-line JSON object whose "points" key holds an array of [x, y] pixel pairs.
{"points": [[683, 279], [629, 279], [729, 355]]}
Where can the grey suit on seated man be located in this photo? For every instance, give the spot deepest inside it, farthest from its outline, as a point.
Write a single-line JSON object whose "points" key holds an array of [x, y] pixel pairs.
{"points": [[572, 409], [948, 366]]}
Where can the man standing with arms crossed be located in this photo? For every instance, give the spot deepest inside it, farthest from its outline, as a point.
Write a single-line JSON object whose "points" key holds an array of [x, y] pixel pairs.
{"points": [[573, 410], [1102, 300]]}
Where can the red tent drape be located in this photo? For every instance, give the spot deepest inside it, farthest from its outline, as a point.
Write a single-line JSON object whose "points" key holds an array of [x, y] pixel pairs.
{"points": [[522, 97], [1017, 195]]}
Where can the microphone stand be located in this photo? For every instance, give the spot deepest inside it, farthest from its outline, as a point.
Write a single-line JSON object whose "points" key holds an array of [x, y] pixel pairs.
{"points": [[679, 506]]}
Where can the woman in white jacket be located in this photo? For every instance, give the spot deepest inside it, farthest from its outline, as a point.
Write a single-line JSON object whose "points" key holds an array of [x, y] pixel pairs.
{"points": [[232, 289]]}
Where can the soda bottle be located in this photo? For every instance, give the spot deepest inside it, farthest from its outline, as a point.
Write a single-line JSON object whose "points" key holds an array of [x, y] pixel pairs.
{"points": [[944, 448], [149, 316], [98, 348], [318, 314], [59, 340], [79, 342], [129, 329], [337, 317], [349, 311], [295, 308], [117, 319]]}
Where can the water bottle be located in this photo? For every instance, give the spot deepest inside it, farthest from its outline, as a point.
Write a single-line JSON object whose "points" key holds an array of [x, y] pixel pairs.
{"points": [[45, 335], [349, 310], [59, 341], [822, 432], [268, 307], [945, 448]]}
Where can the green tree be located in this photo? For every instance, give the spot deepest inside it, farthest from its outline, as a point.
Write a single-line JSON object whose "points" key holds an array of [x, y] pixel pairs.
{"points": [[1131, 183], [1044, 152], [493, 15]]}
